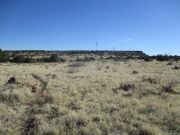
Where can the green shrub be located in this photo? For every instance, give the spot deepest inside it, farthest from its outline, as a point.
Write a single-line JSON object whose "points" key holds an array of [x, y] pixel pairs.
{"points": [[18, 59], [29, 60], [3, 56], [54, 58]]}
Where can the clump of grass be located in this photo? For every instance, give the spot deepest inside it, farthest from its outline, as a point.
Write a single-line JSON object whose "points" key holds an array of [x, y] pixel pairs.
{"points": [[76, 64], [49, 132], [9, 98], [74, 105], [56, 112], [171, 122], [169, 63], [42, 100], [74, 122], [145, 130], [72, 70], [74, 67]]}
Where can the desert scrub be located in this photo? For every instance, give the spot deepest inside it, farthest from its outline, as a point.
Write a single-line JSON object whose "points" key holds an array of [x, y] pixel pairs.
{"points": [[84, 102]]}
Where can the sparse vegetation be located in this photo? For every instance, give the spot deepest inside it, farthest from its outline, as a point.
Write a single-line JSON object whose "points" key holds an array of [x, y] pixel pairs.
{"points": [[124, 97]]}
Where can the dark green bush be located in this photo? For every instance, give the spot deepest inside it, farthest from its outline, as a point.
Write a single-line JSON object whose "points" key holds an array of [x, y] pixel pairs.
{"points": [[166, 57], [162, 57], [29, 60], [147, 58], [85, 59], [18, 59], [54, 58], [3, 56]]}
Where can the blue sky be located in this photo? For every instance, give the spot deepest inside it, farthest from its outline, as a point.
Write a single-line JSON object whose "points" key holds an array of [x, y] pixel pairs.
{"points": [[152, 26]]}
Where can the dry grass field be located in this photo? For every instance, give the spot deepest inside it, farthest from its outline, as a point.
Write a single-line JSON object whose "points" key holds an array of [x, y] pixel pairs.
{"points": [[90, 98]]}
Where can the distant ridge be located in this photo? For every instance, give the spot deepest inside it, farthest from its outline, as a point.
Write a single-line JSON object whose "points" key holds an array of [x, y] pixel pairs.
{"points": [[97, 52]]}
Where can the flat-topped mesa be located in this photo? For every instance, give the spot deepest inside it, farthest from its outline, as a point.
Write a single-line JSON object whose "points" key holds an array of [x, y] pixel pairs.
{"points": [[78, 52]]}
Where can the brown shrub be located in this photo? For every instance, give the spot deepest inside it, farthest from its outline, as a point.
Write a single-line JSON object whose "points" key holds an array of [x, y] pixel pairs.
{"points": [[30, 126], [12, 80], [168, 89], [124, 87], [134, 72]]}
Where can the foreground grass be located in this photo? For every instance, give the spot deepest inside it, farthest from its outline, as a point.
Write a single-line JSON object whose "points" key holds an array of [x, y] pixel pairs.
{"points": [[93, 98]]}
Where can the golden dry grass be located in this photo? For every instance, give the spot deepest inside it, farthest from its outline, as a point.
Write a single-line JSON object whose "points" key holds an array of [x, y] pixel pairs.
{"points": [[87, 98]]}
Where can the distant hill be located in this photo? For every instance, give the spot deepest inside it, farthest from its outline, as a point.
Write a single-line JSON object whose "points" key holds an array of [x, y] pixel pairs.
{"points": [[30, 56], [74, 52]]}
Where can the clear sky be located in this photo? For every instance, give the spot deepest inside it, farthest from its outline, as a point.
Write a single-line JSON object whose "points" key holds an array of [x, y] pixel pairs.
{"points": [[152, 26]]}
